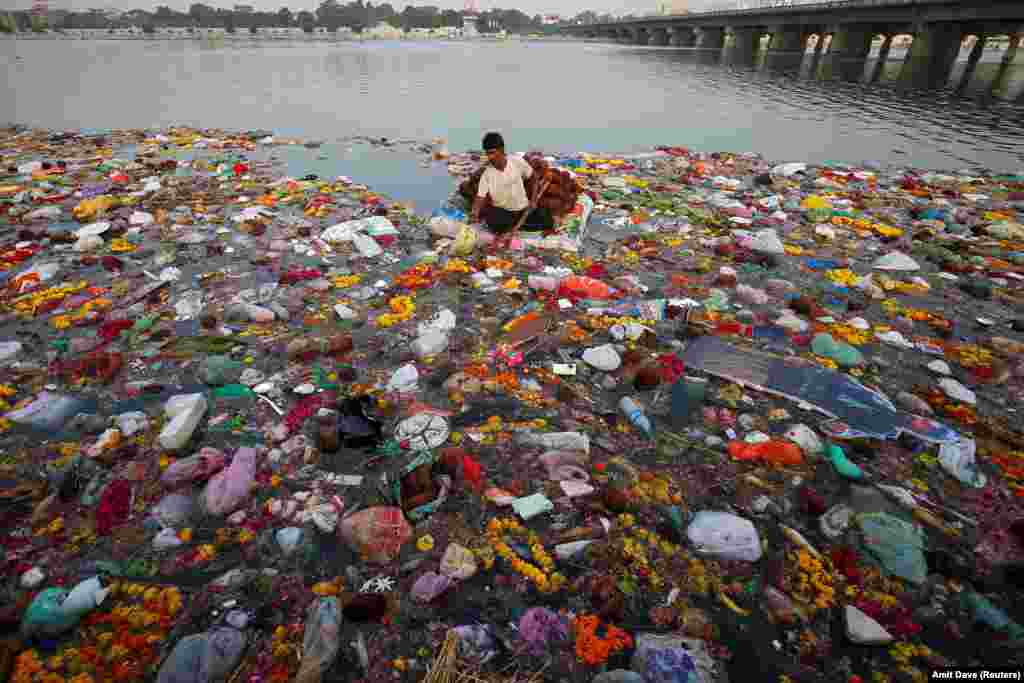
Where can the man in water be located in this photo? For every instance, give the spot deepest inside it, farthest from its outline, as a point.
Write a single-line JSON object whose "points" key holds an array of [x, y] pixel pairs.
{"points": [[502, 181]]}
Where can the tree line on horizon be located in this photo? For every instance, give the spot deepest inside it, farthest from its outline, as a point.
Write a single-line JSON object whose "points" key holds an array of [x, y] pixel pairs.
{"points": [[355, 15]]}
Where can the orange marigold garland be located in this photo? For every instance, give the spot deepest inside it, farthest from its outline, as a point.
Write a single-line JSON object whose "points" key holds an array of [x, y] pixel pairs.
{"points": [[593, 649]]}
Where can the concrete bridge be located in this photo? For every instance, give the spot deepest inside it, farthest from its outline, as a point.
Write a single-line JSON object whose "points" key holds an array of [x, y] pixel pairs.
{"points": [[848, 27]]}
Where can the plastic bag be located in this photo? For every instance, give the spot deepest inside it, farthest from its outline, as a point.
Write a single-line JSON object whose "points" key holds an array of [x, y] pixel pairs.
{"points": [[540, 627], [959, 461], [45, 616], [48, 412], [673, 665], [583, 287], [897, 545], [476, 643], [197, 467], [429, 586], [174, 509], [228, 489], [204, 657], [725, 535], [378, 532], [320, 640], [56, 610], [185, 412]]}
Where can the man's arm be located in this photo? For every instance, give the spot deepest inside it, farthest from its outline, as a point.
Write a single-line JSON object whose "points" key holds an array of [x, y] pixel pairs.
{"points": [[482, 188], [478, 206]]}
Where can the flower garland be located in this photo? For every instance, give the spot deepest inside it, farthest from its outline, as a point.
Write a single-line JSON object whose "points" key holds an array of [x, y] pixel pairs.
{"points": [[418, 277], [881, 229], [594, 650], [346, 281], [456, 265], [496, 530], [814, 581], [30, 303], [122, 644], [402, 309]]}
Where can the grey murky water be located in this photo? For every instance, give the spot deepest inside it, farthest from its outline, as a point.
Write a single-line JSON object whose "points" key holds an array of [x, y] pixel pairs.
{"points": [[557, 96]]}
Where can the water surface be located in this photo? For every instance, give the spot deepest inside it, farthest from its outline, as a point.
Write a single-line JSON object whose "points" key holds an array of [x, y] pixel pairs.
{"points": [[561, 97]]}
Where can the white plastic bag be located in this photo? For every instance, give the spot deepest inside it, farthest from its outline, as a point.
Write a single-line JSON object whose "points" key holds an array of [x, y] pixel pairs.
{"points": [[724, 535]]}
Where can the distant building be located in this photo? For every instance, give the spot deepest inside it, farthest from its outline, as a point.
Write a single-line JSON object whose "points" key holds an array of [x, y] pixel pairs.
{"points": [[469, 24], [245, 9], [383, 31], [551, 19], [674, 7]]}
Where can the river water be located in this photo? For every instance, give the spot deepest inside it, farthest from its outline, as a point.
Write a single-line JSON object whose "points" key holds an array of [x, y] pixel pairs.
{"points": [[557, 96]]}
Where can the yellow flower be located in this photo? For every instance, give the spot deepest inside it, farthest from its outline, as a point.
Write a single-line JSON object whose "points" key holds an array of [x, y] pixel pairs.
{"points": [[121, 245], [346, 281], [325, 588], [275, 481], [425, 543], [61, 322], [843, 276], [185, 535]]}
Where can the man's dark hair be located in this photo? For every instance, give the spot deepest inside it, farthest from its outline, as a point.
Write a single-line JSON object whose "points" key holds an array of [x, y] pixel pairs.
{"points": [[493, 141]]}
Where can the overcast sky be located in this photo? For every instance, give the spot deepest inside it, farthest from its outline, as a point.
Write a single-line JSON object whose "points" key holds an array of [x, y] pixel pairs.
{"points": [[531, 7]]}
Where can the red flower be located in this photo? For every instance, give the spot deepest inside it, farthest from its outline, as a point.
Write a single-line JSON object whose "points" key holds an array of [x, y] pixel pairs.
{"points": [[114, 507]]}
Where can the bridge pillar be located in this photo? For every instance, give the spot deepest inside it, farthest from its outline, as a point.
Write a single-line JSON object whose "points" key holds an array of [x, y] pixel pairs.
{"points": [[659, 36], [711, 38], [972, 60], [883, 58], [642, 36], [847, 53], [932, 55], [682, 36], [746, 43], [1013, 59], [787, 48]]}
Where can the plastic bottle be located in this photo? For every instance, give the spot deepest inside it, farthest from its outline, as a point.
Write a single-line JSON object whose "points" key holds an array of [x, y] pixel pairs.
{"points": [[636, 416]]}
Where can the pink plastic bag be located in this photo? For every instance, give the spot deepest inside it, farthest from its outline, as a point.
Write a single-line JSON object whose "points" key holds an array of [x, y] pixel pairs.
{"points": [[229, 489], [429, 586], [378, 533], [198, 467]]}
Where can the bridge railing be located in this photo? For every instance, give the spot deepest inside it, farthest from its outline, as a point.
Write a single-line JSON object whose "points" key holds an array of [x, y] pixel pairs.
{"points": [[783, 5]]}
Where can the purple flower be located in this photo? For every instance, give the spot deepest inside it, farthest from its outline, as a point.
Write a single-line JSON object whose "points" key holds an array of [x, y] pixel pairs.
{"points": [[538, 626]]}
